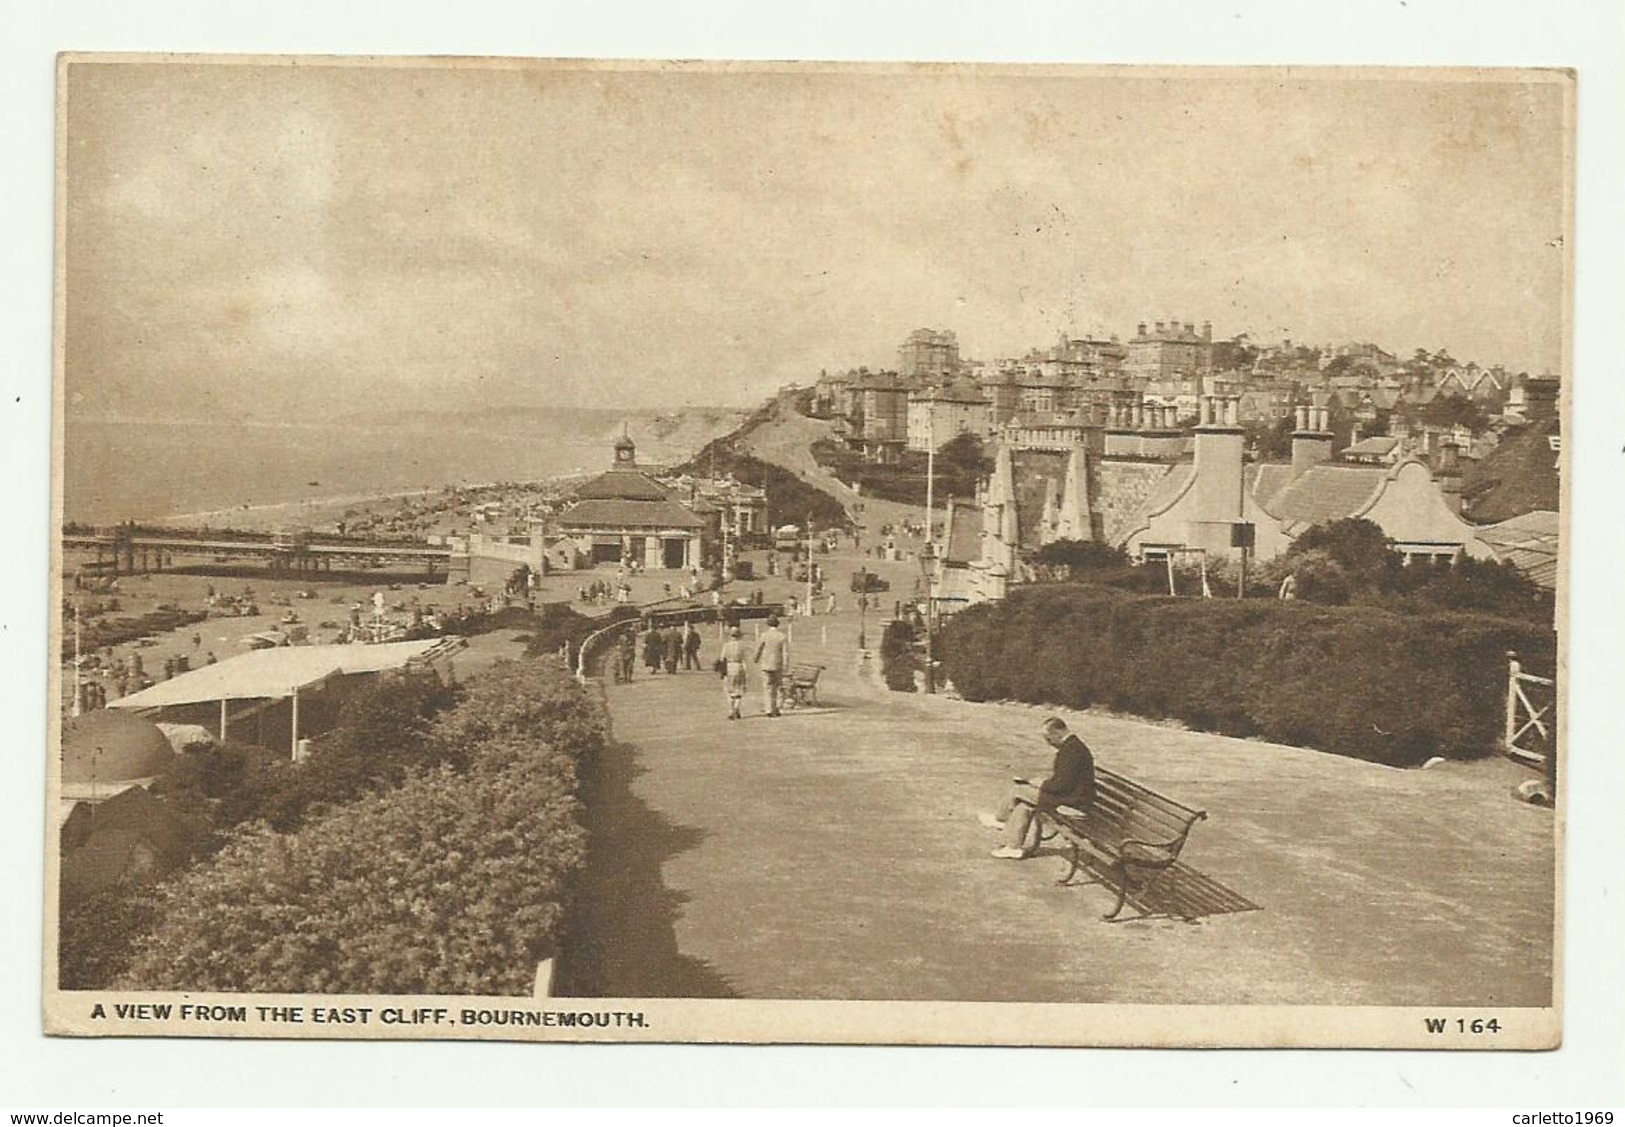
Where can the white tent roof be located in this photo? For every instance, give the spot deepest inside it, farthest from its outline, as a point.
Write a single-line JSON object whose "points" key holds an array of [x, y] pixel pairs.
{"points": [[274, 673]]}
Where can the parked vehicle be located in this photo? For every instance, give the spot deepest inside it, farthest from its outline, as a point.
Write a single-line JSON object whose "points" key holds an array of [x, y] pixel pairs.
{"points": [[866, 582]]}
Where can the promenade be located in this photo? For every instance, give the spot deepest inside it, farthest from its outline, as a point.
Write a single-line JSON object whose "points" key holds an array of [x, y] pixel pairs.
{"points": [[835, 853]]}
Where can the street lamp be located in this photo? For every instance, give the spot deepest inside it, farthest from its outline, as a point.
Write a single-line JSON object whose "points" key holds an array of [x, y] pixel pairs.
{"points": [[928, 561]]}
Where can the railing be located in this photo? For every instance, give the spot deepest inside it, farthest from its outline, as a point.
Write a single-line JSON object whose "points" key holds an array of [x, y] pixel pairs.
{"points": [[592, 645], [1531, 720]]}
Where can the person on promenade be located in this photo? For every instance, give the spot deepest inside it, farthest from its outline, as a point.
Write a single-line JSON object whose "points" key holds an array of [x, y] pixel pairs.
{"points": [[691, 647], [772, 654], [652, 643], [1071, 782], [625, 658], [733, 671], [672, 649]]}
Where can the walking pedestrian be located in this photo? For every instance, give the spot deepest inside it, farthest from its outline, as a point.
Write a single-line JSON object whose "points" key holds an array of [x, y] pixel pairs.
{"points": [[733, 671], [691, 647], [772, 654], [672, 648], [625, 658], [652, 644]]}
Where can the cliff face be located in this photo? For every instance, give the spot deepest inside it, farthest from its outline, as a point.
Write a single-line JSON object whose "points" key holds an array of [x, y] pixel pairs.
{"points": [[668, 438]]}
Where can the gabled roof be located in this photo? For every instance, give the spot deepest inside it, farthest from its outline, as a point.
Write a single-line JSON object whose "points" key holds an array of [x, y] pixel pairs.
{"points": [[1167, 489], [1269, 478], [1327, 493], [616, 512], [1376, 446]]}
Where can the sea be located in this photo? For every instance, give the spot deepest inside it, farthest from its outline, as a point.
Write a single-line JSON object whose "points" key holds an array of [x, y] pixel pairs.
{"points": [[129, 469]]}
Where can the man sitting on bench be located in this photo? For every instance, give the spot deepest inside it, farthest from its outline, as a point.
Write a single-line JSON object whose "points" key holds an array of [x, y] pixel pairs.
{"points": [[1071, 782]]}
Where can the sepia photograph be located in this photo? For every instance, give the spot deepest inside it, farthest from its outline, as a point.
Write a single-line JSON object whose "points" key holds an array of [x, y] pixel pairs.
{"points": [[884, 553]]}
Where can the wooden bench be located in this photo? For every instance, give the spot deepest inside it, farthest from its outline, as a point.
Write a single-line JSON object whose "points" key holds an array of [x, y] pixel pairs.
{"points": [[801, 685], [1136, 831]]}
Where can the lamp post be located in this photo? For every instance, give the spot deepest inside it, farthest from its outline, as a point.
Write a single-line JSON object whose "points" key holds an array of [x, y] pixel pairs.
{"points": [[928, 561], [809, 609]]}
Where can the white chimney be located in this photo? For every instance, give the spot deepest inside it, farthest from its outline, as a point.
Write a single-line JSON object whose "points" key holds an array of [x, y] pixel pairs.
{"points": [[1216, 494], [1311, 442]]}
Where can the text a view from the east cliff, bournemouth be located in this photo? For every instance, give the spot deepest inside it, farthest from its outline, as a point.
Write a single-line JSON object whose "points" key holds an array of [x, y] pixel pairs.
{"points": [[440, 687]]}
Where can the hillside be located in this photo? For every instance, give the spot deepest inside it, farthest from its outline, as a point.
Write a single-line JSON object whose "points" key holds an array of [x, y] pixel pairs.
{"points": [[773, 447]]}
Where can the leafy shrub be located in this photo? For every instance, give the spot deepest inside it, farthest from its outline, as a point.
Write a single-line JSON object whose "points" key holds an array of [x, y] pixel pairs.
{"points": [[536, 699], [1356, 681], [1070, 557], [960, 465], [899, 660], [790, 500], [452, 883], [455, 881], [381, 734], [96, 936]]}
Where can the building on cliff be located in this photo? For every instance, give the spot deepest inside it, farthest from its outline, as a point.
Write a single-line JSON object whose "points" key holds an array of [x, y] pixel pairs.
{"points": [[1154, 490]]}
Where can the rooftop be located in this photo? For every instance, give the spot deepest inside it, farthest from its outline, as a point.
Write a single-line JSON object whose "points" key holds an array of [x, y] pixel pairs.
{"points": [[277, 672], [622, 512]]}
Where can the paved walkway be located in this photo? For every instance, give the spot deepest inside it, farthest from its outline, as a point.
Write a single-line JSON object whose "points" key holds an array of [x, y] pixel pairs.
{"points": [[834, 853]]}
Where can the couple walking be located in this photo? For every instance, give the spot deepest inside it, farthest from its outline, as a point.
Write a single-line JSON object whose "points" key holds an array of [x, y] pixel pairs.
{"points": [[772, 656]]}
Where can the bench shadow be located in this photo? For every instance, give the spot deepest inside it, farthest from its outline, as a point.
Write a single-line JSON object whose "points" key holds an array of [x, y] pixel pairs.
{"points": [[621, 939], [1180, 892]]}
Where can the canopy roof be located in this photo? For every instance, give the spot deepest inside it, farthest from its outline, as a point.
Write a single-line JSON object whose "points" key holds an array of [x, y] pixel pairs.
{"points": [[274, 673]]}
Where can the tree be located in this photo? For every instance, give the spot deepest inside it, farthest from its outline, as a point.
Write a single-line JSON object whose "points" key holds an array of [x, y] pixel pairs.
{"points": [[1272, 440], [1455, 410], [1080, 555], [1355, 544], [963, 462]]}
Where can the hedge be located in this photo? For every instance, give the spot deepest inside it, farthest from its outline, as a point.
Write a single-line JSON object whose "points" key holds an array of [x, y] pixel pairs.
{"points": [[899, 661], [1356, 681], [454, 882]]}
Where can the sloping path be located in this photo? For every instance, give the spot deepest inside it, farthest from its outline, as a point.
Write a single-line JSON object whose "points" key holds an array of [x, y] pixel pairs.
{"points": [[834, 853]]}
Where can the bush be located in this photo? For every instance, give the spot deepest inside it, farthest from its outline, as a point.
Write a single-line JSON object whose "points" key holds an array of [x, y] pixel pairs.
{"points": [[454, 882], [1070, 557], [1354, 680], [790, 500], [381, 734], [960, 465], [899, 661], [536, 699], [96, 936]]}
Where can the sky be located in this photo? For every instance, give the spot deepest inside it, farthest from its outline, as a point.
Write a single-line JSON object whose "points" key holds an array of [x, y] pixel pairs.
{"points": [[244, 240]]}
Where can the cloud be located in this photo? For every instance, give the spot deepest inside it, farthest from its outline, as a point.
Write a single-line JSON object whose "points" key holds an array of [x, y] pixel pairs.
{"points": [[254, 238]]}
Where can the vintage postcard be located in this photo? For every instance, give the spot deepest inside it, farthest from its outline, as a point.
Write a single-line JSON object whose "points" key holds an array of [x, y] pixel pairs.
{"points": [[793, 552]]}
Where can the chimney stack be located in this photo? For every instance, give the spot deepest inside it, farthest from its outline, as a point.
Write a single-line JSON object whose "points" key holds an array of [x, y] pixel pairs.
{"points": [[1312, 441], [1159, 328], [1190, 328], [1449, 460], [1217, 493], [1140, 329], [1207, 330]]}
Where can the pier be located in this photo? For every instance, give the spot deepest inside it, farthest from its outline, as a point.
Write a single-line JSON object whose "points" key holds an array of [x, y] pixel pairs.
{"points": [[129, 549]]}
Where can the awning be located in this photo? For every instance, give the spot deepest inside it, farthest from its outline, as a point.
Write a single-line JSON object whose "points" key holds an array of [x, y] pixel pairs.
{"points": [[279, 672]]}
